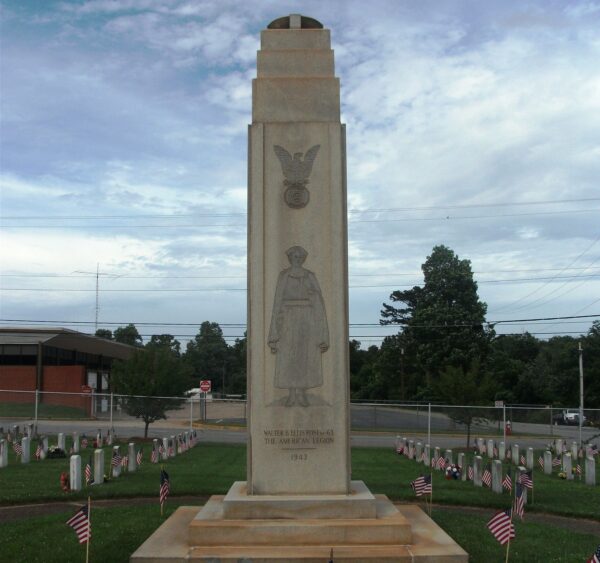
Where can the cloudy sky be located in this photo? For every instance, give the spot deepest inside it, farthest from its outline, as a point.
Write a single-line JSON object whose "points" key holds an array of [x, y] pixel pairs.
{"points": [[123, 143]]}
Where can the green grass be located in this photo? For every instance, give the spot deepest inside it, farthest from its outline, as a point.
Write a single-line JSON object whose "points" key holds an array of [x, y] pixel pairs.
{"points": [[27, 410], [533, 542], [204, 470], [211, 468], [118, 531]]}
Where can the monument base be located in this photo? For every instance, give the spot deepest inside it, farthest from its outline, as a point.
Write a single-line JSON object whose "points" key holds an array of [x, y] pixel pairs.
{"points": [[218, 533]]}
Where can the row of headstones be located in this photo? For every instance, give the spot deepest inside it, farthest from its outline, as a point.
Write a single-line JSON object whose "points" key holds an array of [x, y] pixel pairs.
{"points": [[28, 430], [419, 449], [168, 447], [26, 442], [489, 448]]}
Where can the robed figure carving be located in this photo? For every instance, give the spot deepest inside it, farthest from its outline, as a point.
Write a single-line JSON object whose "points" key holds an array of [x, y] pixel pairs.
{"points": [[299, 334]]}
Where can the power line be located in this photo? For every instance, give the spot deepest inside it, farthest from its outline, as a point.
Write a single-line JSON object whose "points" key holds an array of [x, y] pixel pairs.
{"points": [[243, 325], [351, 211], [350, 223], [587, 277]]}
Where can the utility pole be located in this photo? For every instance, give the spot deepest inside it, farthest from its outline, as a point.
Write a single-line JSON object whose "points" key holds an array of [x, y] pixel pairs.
{"points": [[580, 393], [97, 295]]}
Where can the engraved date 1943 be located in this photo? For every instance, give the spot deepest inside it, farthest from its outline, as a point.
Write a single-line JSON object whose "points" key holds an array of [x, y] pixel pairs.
{"points": [[299, 457]]}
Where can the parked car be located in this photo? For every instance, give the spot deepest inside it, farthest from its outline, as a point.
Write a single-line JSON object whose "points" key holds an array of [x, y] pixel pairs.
{"points": [[568, 416]]}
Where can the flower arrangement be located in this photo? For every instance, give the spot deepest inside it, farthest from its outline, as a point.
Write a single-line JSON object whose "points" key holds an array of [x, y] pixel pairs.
{"points": [[453, 471], [55, 452], [562, 475]]}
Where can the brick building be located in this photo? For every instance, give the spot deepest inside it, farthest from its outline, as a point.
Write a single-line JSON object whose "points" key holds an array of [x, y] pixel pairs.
{"points": [[53, 361]]}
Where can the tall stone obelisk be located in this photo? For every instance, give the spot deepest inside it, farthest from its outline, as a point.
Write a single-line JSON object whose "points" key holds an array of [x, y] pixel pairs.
{"points": [[298, 385]]}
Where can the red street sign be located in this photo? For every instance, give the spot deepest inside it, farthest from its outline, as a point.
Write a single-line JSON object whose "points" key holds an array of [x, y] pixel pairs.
{"points": [[205, 385], [86, 389]]}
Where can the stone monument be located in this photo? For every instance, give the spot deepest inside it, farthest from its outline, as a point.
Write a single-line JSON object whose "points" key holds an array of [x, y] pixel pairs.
{"points": [[298, 501]]}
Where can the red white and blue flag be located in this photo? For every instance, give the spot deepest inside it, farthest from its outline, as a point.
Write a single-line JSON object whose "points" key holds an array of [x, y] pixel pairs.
{"points": [[502, 527], [422, 485], [519, 501], [80, 522]]}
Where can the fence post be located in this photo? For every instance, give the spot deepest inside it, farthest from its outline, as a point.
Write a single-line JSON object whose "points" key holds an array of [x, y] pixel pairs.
{"points": [[35, 422], [429, 423], [551, 422], [112, 428], [191, 412], [504, 422]]}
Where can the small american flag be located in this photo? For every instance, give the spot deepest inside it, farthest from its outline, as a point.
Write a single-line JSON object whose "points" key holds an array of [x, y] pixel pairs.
{"points": [[441, 463], [578, 469], [596, 557], [541, 462], [527, 479], [423, 457], [88, 472], [433, 462], [508, 453], [161, 449], [171, 451], [139, 456], [80, 522], [556, 462], [165, 486], [154, 456], [507, 482], [125, 461], [519, 502], [116, 459], [470, 473], [399, 449], [38, 451], [487, 477], [422, 485], [502, 527], [18, 449], [522, 460], [495, 451]]}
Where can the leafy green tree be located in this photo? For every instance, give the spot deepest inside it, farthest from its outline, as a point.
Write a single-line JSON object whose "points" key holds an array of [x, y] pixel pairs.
{"points": [[104, 333], [151, 375], [128, 335], [457, 386], [236, 373], [167, 341], [591, 369], [207, 355], [442, 322]]}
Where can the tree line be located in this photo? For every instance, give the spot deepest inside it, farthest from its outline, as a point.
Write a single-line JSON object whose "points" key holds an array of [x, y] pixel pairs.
{"points": [[444, 351]]}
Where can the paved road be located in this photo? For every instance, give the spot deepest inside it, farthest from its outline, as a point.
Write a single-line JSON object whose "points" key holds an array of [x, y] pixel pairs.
{"points": [[230, 435]]}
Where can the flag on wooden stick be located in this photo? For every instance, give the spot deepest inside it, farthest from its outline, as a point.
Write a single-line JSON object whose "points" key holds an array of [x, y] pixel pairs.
{"points": [[80, 522], [502, 527]]}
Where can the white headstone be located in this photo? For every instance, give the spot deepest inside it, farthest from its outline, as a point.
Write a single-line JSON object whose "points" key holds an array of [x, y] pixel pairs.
{"points": [[497, 476], [521, 469], [3, 453], [132, 461], [529, 458], [109, 437], [490, 448], [448, 456], [116, 469], [590, 471], [480, 445], [419, 452], [548, 462], [165, 454], [173, 451], [436, 453], [155, 449], [477, 470], [76, 442], [558, 445], [98, 467], [574, 450], [568, 466], [61, 441], [515, 454], [75, 473], [502, 451], [427, 460], [463, 468], [44, 446], [26, 445]]}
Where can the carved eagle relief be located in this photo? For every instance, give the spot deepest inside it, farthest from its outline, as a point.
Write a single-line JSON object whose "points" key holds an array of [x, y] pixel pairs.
{"points": [[296, 170]]}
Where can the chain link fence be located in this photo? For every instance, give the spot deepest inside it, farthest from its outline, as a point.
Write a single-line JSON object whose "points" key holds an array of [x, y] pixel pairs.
{"points": [[459, 421]]}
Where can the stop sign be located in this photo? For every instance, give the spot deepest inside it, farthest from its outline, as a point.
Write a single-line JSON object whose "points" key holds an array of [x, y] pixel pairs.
{"points": [[205, 386]]}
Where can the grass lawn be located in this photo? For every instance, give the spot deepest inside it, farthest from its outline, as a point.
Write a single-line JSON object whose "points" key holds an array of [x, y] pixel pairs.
{"points": [[118, 531], [27, 410], [211, 468]]}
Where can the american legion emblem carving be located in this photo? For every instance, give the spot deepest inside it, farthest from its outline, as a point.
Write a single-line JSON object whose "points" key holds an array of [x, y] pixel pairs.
{"points": [[296, 172]]}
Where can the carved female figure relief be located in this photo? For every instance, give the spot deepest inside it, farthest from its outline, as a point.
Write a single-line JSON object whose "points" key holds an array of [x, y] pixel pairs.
{"points": [[299, 334]]}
